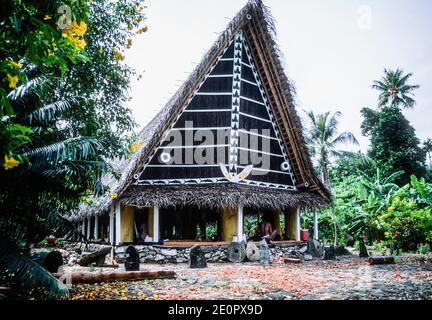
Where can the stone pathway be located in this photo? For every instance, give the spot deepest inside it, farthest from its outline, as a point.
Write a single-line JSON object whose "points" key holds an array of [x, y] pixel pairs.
{"points": [[347, 278]]}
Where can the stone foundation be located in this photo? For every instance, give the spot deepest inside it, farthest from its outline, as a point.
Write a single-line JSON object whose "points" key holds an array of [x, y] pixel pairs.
{"points": [[213, 254]]}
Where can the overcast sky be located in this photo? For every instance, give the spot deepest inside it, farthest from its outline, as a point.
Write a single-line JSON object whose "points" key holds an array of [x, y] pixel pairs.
{"points": [[333, 49]]}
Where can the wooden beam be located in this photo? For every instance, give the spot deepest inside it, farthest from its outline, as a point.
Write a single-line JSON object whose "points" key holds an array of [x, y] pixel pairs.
{"points": [[276, 221], [240, 230], [298, 227], [381, 260], [96, 228], [290, 224], [118, 223], [88, 235], [127, 224], [150, 222], [155, 224], [229, 224], [111, 225], [99, 277]]}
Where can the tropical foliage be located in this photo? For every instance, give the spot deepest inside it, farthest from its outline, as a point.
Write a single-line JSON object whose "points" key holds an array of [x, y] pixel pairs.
{"points": [[378, 195], [324, 139], [427, 148], [378, 209], [57, 133], [394, 144], [394, 89]]}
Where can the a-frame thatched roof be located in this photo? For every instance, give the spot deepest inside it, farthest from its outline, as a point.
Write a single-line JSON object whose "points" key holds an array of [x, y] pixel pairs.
{"points": [[257, 26]]}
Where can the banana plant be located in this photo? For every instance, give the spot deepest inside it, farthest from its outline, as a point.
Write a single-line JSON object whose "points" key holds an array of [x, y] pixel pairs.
{"points": [[373, 197]]}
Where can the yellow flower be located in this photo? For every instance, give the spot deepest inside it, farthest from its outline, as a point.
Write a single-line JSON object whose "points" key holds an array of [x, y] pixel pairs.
{"points": [[75, 34], [142, 30], [80, 29], [10, 163], [15, 64], [50, 53], [114, 196], [47, 17], [129, 43], [80, 44], [135, 147], [118, 56], [13, 80], [372, 222], [88, 200]]}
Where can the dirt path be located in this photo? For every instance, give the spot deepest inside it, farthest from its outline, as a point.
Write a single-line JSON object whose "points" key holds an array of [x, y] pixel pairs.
{"points": [[347, 278]]}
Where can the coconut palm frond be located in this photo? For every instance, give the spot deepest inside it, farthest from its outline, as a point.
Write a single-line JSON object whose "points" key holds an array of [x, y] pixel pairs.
{"points": [[38, 87], [345, 138], [364, 159], [31, 277], [395, 90], [48, 112], [72, 149]]}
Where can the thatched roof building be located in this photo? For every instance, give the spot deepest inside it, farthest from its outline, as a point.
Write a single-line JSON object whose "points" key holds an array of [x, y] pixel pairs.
{"points": [[229, 138]]}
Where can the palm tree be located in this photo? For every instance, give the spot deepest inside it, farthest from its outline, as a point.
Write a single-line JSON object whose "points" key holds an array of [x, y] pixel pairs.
{"points": [[324, 138], [37, 194], [427, 147], [395, 90]]}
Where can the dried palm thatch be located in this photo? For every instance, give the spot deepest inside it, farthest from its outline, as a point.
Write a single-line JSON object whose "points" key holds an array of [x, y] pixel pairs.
{"points": [[222, 196], [257, 23]]}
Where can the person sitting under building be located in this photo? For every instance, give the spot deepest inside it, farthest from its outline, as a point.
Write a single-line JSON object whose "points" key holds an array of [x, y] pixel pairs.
{"points": [[266, 230]]}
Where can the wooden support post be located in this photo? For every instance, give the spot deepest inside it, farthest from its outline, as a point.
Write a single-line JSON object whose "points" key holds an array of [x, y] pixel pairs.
{"points": [[316, 236], [156, 224], [229, 224], [290, 224], [118, 223], [150, 222], [88, 235], [127, 224], [277, 223], [111, 225], [298, 227], [240, 224], [96, 228]]}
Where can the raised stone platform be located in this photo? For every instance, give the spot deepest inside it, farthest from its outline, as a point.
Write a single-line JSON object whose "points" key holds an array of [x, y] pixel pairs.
{"points": [[214, 252]]}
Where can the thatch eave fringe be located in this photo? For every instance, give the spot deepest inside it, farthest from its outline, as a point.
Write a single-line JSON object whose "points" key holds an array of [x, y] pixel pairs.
{"points": [[220, 196]]}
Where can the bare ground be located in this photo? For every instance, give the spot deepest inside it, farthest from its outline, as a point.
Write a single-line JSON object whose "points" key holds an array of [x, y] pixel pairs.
{"points": [[347, 278]]}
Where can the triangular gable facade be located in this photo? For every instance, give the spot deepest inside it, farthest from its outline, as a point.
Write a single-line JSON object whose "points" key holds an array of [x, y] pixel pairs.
{"points": [[225, 128]]}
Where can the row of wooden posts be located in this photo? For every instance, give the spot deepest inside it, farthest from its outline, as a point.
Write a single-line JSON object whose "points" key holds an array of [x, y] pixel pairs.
{"points": [[121, 227]]}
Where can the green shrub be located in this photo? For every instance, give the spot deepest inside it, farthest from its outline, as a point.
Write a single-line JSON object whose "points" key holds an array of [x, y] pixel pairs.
{"points": [[406, 225], [423, 249]]}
